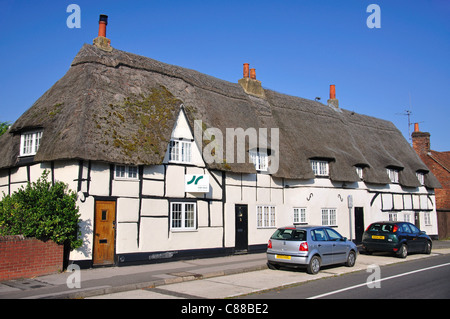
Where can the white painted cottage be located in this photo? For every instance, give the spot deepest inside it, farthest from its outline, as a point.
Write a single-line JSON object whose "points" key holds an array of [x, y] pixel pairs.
{"points": [[153, 151]]}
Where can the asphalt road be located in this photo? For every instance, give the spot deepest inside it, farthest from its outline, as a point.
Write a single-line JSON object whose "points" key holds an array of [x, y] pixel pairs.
{"points": [[427, 278]]}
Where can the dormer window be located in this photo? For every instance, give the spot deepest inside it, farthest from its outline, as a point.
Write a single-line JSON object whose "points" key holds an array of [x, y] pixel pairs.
{"points": [[180, 151], [359, 171], [260, 160], [320, 168], [30, 142], [393, 174], [421, 177]]}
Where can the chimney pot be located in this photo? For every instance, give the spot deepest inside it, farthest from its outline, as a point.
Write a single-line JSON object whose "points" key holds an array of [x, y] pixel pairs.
{"points": [[416, 127], [246, 70], [253, 74], [332, 92], [102, 23]]}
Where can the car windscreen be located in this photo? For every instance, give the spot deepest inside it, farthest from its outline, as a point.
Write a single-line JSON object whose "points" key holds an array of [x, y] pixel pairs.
{"points": [[380, 227], [289, 234]]}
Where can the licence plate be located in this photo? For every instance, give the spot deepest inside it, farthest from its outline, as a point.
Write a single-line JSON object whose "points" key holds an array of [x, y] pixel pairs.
{"points": [[377, 237], [283, 257]]}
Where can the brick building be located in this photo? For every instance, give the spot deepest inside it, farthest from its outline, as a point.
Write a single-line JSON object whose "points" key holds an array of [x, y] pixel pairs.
{"points": [[439, 164]]}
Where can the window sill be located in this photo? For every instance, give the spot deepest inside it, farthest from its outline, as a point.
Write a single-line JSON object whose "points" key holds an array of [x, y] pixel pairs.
{"points": [[174, 230]]}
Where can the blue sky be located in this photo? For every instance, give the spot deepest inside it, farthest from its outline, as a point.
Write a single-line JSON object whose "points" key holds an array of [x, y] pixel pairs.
{"points": [[298, 47]]}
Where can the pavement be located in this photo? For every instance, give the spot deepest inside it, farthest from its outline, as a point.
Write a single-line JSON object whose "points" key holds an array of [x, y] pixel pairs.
{"points": [[235, 275]]}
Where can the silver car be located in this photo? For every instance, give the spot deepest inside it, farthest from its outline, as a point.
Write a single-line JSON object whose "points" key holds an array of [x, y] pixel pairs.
{"points": [[310, 246]]}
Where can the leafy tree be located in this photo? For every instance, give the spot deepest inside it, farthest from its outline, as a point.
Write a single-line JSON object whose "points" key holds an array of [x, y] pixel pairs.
{"points": [[43, 211], [4, 127]]}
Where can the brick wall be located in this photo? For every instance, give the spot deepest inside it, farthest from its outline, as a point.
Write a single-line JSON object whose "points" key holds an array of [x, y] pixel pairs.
{"points": [[22, 257]]}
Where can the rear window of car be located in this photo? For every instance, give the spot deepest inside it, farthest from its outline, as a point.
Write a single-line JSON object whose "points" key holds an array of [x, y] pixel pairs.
{"points": [[289, 234], [380, 227]]}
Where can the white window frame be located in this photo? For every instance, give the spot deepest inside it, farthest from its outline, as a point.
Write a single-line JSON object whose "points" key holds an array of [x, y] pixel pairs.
{"points": [[126, 172], [427, 218], [393, 217], [260, 160], [320, 168], [407, 217], [180, 151], [329, 217], [359, 171], [421, 178], [265, 216], [30, 142], [300, 215], [393, 174], [182, 219]]}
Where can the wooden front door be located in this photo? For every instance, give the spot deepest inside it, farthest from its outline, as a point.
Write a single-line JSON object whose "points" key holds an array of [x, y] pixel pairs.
{"points": [[104, 234]]}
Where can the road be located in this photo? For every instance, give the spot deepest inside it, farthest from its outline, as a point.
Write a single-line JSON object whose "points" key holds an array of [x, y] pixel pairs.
{"points": [[427, 278]]}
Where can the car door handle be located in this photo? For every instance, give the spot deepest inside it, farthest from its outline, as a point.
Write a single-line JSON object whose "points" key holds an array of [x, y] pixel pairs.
{"points": [[319, 245]]}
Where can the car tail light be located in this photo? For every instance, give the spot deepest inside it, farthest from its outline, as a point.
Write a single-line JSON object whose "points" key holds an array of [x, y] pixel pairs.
{"points": [[367, 229], [395, 229], [303, 246], [270, 244]]}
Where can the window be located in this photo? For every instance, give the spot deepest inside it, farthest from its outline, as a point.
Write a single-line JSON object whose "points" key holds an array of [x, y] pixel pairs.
{"points": [[299, 215], [126, 172], [359, 171], [333, 235], [289, 234], [393, 175], [183, 216], [260, 160], [319, 235], [30, 142], [421, 178], [265, 216], [320, 168], [414, 229], [407, 217], [328, 216], [180, 151], [393, 217], [427, 217]]}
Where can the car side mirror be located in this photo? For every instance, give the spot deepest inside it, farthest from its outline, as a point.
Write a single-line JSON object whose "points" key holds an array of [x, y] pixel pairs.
{"points": [[422, 232], [343, 238]]}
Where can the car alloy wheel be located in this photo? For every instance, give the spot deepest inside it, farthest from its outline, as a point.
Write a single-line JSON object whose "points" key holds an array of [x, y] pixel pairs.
{"points": [[351, 259], [428, 248], [314, 265], [403, 252]]}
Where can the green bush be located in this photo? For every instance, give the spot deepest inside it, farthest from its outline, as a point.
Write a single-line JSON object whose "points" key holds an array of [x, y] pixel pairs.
{"points": [[42, 211]]}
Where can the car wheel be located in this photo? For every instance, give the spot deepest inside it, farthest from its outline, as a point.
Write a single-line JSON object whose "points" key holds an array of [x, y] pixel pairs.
{"points": [[428, 248], [351, 259], [403, 251], [314, 265]]}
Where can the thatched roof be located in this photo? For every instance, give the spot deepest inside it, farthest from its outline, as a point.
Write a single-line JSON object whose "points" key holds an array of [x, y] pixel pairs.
{"points": [[119, 107]]}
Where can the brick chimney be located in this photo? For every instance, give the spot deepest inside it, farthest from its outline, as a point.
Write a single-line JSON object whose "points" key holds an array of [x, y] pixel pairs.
{"points": [[250, 84], [102, 42], [333, 101], [421, 140]]}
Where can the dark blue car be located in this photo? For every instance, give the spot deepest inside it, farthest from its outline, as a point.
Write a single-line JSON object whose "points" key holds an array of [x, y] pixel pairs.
{"points": [[400, 238]]}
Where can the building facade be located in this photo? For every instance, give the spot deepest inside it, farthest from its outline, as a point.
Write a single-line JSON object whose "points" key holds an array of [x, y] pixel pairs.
{"points": [[169, 163], [439, 164]]}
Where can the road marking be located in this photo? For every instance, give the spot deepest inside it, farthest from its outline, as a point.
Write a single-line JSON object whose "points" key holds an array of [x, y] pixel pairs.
{"points": [[379, 280]]}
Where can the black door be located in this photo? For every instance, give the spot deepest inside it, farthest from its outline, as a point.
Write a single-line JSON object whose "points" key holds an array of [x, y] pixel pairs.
{"points": [[241, 240], [359, 224], [417, 219]]}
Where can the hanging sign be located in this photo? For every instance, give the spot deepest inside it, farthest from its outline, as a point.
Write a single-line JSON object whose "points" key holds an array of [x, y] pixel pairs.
{"points": [[196, 183]]}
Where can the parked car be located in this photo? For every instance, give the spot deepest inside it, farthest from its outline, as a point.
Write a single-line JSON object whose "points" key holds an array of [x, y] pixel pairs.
{"points": [[309, 246], [400, 238]]}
